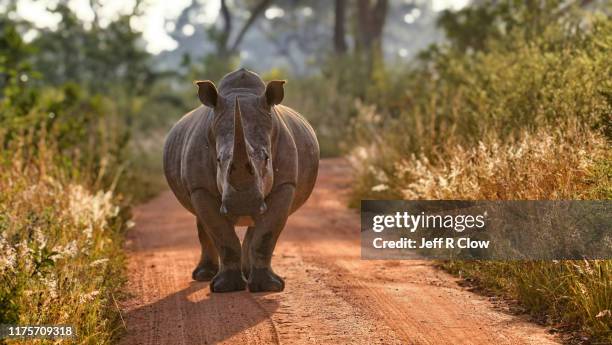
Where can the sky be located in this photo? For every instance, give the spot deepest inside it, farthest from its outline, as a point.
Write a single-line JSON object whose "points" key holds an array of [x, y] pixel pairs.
{"points": [[156, 12]]}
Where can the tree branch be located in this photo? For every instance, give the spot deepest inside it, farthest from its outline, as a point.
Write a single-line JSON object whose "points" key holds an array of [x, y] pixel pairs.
{"points": [[227, 26], [255, 12], [339, 32]]}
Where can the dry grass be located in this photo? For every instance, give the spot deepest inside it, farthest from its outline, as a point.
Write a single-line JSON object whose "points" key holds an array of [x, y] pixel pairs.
{"points": [[544, 165], [552, 163], [562, 162], [526, 115], [60, 241], [567, 295]]}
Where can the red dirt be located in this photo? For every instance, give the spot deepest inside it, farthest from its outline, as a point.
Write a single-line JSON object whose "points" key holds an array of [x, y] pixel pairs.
{"points": [[331, 296]]}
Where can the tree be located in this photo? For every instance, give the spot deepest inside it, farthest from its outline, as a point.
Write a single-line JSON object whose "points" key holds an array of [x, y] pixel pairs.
{"points": [[100, 59], [339, 27], [371, 16], [224, 48]]}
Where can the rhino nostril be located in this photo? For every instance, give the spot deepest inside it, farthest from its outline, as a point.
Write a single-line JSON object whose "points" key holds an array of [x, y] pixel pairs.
{"points": [[249, 168], [223, 209]]}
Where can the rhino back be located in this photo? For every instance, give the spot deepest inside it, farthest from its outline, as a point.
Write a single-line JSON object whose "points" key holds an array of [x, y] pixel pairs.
{"points": [[307, 149], [186, 155]]}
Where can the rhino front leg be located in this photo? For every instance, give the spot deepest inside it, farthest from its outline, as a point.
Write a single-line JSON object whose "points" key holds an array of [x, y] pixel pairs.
{"points": [[209, 259], [224, 238], [265, 234]]}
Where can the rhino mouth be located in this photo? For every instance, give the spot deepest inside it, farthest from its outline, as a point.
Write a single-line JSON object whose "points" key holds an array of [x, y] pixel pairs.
{"points": [[243, 204]]}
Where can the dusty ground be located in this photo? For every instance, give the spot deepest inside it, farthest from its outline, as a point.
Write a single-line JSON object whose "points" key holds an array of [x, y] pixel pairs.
{"points": [[331, 296]]}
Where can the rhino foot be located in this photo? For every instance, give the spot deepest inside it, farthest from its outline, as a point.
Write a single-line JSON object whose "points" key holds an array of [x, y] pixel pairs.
{"points": [[204, 273], [228, 281], [264, 279]]}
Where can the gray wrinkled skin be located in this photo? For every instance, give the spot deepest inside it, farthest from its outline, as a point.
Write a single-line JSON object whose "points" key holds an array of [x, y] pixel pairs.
{"points": [[241, 159]]}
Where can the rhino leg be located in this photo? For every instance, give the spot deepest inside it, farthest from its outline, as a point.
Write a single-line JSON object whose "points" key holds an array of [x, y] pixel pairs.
{"points": [[265, 234], [209, 259], [224, 238]]}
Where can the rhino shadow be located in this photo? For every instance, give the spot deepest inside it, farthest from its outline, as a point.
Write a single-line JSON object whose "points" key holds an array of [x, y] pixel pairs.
{"points": [[192, 316]]}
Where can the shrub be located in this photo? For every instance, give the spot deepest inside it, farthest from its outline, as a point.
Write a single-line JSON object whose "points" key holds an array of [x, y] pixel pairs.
{"points": [[61, 241], [551, 163], [521, 110]]}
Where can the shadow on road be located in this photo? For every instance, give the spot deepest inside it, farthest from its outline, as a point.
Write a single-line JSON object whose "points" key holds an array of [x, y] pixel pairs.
{"points": [[196, 316]]}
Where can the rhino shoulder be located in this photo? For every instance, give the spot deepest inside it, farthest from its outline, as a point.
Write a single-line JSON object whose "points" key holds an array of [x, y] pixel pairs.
{"points": [[295, 121], [187, 151], [303, 155], [301, 131]]}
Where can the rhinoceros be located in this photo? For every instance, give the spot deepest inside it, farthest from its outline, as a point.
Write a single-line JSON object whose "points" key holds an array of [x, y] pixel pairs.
{"points": [[241, 159]]}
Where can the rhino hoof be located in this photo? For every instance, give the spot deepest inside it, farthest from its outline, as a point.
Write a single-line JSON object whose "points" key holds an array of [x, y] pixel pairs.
{"points": [[264, 279], [228, 281], [204, 273]]}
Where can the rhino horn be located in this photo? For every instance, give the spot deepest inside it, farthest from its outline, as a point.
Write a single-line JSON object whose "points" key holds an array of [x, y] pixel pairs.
{"points": [[243, 170]]}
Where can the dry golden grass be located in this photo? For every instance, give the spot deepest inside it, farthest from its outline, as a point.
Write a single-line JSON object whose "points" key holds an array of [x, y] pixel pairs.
{"points": [[547, 164], [563, 162], [551, 163], [60, 241]]}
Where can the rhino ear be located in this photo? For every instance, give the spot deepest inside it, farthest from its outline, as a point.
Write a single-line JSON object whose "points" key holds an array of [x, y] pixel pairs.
{"points": [[275, 92], [207, 92]]}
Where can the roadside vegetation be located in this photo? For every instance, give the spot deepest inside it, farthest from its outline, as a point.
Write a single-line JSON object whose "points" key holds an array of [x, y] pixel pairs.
{"points": [[69, 171], [60, 238], [516, 104]]}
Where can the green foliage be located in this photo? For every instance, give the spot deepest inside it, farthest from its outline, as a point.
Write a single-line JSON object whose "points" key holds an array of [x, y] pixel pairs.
{"points": [[15, 69], [474, 27], [67, 104], [103, 60], [91, 89], [517, 82], [323, 101], [516, 104]]}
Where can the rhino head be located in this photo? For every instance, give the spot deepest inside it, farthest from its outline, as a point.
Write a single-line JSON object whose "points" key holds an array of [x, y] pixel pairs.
{"points": [[242, 133]]}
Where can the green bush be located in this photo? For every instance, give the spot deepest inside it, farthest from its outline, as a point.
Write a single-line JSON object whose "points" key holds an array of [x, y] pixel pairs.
{"points": [[515, 84], [62, 150], [515, 105]]}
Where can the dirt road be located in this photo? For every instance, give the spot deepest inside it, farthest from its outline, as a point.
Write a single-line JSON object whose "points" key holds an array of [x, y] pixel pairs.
{"points": [[331, 296]]}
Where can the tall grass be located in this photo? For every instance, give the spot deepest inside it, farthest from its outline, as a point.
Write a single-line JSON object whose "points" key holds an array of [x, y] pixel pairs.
{"points": [[562, 162], [526, 114], [570, 295], [67, 171], [62, 221]]}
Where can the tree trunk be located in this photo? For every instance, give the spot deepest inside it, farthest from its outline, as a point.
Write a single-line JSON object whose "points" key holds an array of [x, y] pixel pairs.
{"points": [[223, 43], [339, 30], [227, 30], [371, 16]]}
